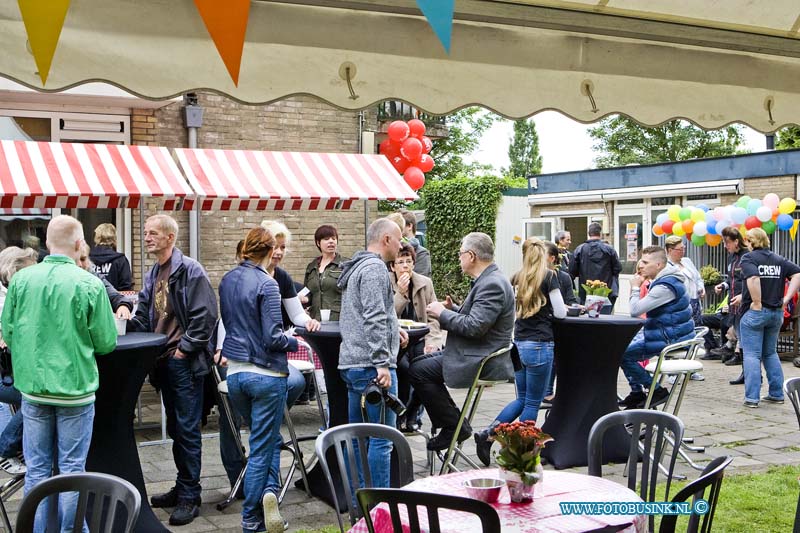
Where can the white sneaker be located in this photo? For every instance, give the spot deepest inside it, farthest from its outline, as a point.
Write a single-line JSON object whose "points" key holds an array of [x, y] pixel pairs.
{"points": [[13, 465], [272, 515], [697, 376]]}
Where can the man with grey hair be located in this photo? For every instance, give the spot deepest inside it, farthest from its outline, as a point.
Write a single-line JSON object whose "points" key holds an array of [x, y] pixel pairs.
{"points": [[371, 336], [178, 301], [56, 319], [481, 325], [563, 240]]}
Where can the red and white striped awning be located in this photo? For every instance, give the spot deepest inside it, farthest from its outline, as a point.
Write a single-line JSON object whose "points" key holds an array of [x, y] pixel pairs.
{"points": [[255, 180], [67, 175]]}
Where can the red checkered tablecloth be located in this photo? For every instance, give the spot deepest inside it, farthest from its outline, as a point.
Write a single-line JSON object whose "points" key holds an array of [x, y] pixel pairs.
{"points": [[543, 515], [302, 355]]}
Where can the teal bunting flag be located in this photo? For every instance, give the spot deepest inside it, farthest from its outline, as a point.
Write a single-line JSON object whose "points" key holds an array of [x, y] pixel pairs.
{"points": [[440, 16]]}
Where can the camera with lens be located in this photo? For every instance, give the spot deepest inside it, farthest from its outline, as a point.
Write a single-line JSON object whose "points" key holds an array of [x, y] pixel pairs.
{"points": [[375, 394]]}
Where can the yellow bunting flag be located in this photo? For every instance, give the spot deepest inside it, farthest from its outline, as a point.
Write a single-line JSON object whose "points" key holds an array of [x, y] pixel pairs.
{"points": [[226, 22], [793, 230], [43, 22]]}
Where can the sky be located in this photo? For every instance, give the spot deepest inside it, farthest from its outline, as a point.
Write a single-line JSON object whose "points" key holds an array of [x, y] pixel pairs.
{"points": [[564, 144]]}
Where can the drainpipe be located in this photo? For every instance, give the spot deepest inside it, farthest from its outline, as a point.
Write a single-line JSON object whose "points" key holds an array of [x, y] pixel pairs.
{"points": [[193, 118], [361, 151]]}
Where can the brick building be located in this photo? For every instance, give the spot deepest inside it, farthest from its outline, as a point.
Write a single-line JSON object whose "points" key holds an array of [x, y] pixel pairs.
{"points": [[100, 114]]}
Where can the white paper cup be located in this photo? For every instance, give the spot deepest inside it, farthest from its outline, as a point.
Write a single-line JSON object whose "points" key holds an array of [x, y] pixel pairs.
{"points": [[121, 324], [325, 314]]}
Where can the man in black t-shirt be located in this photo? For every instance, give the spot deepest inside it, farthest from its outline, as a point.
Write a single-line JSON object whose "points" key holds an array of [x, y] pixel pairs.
{"points": [[763, 300]]}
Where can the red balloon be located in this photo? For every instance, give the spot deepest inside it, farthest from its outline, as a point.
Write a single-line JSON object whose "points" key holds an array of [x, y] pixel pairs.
{"points": [[400, 164], [398, 131], [389, 149], [667, 226], [427, 144], [416, 128], [414, 178], [425, 163], [411, 149], [752, 222]]}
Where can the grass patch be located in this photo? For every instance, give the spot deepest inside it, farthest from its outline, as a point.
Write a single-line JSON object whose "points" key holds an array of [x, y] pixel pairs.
{"points": [[763, 502], [735, 444], [324, 529], [791, 449]]}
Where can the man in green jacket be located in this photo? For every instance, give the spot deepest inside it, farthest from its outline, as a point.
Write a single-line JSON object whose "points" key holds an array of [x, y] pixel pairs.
{"points": [[56, 318]]}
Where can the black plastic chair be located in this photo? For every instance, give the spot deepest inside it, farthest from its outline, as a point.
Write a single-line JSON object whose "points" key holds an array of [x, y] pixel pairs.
{"points": [[791, 388], [342, 439], [710, 478], [368, 498], [109, 491], [648, 442]]}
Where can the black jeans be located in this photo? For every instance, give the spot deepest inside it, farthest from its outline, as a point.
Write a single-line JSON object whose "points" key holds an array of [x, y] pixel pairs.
{"points": [[182, 393], [428, 380], [712, 322]]}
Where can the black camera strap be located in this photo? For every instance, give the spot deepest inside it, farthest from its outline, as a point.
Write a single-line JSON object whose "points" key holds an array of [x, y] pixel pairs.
{"points": [[364, 416]]}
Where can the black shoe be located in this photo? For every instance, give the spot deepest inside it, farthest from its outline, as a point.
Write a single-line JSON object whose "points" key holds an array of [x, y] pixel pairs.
{"points": [[168, 499], [442, 440], [660, 396], [184, 513], [633, 400], [722, 351], [796, 362], [735, 360], [711, 356], [483, 447], [738, 381]]}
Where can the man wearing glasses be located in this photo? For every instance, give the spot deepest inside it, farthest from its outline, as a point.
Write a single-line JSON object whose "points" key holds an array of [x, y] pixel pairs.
{"points": [[481, 325]]}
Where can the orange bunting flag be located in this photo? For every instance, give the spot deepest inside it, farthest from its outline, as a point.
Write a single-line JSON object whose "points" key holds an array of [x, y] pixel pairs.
{"points": [[43, 22], [793, 230], [226, 22]]}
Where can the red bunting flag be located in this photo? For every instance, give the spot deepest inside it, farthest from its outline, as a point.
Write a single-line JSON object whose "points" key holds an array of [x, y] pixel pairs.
{"points": [[226, 22]]}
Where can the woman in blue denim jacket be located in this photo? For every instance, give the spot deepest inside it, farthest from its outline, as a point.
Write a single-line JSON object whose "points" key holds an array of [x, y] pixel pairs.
{"points": [[256, 347]]}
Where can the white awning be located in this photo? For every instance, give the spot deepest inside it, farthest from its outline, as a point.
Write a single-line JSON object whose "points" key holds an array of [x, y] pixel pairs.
{"points": [[713, 63], [627, 193]]}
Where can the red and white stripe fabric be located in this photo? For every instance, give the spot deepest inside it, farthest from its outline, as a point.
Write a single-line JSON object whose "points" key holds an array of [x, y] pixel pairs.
{"points": [[67, 175], [256, 180]]}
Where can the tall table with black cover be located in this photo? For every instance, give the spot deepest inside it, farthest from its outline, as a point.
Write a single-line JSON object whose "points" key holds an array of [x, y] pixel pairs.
{"points": [[113, 449], [588, 352]]}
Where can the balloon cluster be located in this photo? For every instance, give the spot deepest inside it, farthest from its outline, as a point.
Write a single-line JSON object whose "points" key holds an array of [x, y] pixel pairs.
{"points": [[702, 225], [407, 149]]}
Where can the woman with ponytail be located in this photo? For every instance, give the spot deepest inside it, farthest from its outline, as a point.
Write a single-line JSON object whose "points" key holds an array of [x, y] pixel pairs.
{"points": [[538, 302]]}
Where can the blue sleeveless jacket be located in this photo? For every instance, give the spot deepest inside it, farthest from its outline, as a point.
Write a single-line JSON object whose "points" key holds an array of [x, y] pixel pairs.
{"points": [[670, 323]]}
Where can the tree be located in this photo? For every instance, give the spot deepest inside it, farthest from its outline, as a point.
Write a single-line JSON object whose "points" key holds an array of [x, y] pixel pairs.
{"points": [[788, 137], [466, 127], [621, 141], [523, 153]]}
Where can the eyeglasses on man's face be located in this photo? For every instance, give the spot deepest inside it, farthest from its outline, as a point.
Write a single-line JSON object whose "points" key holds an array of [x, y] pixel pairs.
{"points": [[462, 252]]}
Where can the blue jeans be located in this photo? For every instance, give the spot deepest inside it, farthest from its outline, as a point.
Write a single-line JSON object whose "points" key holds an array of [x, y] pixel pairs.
{"points": [[380, 450], [60, 437], [260, 400], [638, 378], [11, 436], [228, 449], [182, 393], [759, 342], [531, 381]]}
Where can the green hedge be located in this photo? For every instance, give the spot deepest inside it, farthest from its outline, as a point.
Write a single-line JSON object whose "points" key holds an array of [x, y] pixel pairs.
{"points": [[454, 208]]}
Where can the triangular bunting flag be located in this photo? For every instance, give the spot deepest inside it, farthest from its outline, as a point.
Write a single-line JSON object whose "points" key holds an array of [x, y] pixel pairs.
{"points": [[793, 230], [43, 22], [440, 16], [226, 22]]}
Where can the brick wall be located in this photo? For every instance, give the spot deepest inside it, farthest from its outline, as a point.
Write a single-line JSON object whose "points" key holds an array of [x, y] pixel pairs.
{"points": [[295, 124], [783, 186]]}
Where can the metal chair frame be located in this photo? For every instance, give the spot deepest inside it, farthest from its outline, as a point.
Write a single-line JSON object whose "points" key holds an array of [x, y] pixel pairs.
{"points": [[651, 448], [468, 409], [791, 388], [103, 486], [412, 500], [344, 439]]}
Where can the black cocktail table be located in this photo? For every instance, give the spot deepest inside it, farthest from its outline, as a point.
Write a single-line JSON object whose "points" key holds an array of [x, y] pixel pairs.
{"points": [[113, 449], [588, 352]]}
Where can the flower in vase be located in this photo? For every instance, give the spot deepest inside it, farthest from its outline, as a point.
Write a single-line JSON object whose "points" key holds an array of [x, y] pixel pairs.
{"points": [[521, 445]]}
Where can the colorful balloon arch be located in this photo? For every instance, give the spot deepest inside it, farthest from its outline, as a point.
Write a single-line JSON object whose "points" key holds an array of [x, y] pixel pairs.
{"points": [[702, 225], [407, 149]]}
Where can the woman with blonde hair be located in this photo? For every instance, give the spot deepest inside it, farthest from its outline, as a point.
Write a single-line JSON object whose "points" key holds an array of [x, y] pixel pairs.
{"points": [[538, 303]]}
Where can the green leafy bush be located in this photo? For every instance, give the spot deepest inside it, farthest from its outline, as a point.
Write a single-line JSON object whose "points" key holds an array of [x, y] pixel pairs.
{"points": [[454, 208], [710, 275]]}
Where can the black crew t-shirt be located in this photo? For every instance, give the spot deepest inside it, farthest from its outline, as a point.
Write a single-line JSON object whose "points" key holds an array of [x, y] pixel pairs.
{"points": [[539, 327], [287, 290], [773, 270]]}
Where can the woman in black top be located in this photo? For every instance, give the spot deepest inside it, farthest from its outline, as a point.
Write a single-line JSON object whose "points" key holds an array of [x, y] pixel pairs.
{"points": [[762, 305], [538, 302], [736, 247]]}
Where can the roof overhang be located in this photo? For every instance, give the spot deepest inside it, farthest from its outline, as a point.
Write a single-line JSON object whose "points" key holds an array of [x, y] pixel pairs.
{"points": [[609, 195]]}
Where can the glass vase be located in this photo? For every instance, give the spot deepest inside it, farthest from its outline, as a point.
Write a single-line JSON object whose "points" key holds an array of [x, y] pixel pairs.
{"points": [[520, 488]]}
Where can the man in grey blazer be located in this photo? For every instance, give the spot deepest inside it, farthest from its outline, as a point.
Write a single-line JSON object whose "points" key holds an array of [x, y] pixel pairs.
{"points": [[483, 324]]}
